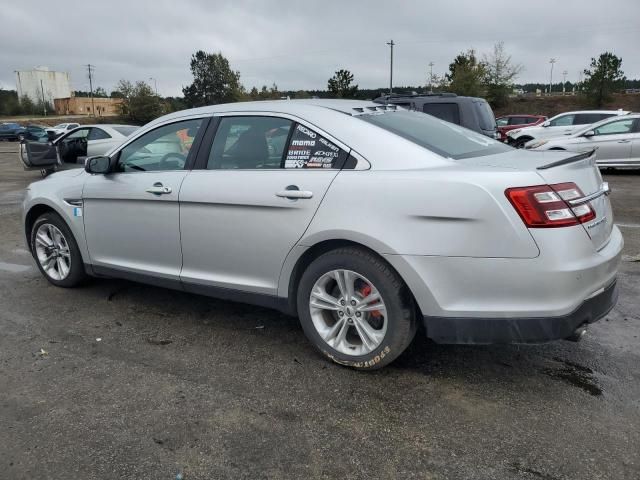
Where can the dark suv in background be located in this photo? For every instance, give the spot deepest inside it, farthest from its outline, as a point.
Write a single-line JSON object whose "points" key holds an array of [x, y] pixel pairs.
{"points": [[470, 112]]}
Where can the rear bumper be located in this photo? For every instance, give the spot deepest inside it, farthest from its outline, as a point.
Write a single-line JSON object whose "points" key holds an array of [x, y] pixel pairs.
{"points": [[464, 330]]}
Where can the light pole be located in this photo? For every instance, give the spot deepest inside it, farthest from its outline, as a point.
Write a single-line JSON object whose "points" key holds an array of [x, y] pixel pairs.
{"points": [[431, 64], [44, 102], [391, 44], [564, 80], [551, 61], [155, 84]]}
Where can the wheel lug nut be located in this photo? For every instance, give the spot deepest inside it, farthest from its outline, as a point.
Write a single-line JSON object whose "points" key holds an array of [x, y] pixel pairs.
{"points": [[342, 302], [358, 314], [353, 302], [341, 314]]}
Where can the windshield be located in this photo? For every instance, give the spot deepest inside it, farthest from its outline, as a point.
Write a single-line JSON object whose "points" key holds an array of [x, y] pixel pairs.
{"points": [[444, 138], [485, 115], [61, 126], [126, 131]]}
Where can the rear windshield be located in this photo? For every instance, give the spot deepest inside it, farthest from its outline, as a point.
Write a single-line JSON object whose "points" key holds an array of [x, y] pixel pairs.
{"points": [[485, 116], [126, 131], [444, 138]]}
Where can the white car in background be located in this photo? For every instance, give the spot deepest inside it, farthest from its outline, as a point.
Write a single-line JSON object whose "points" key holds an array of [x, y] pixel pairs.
{"points": [[616, 141], [61, 129], [74, 146], [562, 124]]}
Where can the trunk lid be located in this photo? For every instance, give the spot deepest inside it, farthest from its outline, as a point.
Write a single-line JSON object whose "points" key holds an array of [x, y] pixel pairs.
{"points": [[560, 167]]}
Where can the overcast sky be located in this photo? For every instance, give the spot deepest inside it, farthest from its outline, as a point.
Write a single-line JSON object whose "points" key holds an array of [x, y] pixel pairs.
{"points": [[299, 44]]}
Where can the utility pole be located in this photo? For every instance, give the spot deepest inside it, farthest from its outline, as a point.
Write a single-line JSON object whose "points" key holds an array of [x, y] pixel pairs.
{"points": [[89, 67], [551, 61], [44, 102], [155, 84], [564, 80], [431, 64], [391, 44]]}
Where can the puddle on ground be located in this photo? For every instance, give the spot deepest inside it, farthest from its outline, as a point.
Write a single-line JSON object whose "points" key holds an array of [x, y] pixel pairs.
{"points": [[576, 375]]}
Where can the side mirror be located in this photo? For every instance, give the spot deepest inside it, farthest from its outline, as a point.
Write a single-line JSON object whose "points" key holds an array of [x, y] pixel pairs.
{"points": [[589, 133], [546, 124], [51, 136], [98, 165]]}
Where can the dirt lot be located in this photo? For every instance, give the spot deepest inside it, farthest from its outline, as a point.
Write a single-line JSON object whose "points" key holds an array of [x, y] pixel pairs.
{"points": [[119, 380]]}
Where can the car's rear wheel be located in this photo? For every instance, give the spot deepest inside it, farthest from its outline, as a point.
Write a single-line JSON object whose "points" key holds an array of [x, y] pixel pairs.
{"points": [[56, 251], [355, 309]]}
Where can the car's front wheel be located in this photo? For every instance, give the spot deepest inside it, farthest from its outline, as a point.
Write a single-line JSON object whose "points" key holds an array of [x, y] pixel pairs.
{"points": [[355, 309], [56, 251]]}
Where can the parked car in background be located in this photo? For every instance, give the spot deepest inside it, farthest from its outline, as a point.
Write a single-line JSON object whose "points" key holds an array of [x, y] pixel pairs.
{"points": [[507, 123], [469, 112], [74, 146], [359, 223], [11, 131], [616, 141], [34, 133], [562, 124], [62, 128]]}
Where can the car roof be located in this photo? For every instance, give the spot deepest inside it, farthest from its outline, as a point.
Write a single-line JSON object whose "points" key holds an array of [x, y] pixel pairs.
{"points": [[299, 107], [619, 111]]}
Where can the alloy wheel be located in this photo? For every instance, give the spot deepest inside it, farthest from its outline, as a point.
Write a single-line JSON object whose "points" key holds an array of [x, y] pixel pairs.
{"points": [[52, 251], [348, 312]]}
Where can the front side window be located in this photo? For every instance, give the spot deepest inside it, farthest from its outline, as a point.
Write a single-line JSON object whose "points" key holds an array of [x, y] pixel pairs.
{"points": [[614, 128], [449, 112], [444, 138], [82, 133], [165, 148], [249, 143], [563, 121]]}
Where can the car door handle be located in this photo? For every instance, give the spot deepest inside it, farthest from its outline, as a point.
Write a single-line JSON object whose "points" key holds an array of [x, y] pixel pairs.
{"points": [[159, 189], [294, 194], [624, 141]]}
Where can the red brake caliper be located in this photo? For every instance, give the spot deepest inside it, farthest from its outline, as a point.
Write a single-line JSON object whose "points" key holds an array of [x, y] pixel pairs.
{"points": [[365, 291]]}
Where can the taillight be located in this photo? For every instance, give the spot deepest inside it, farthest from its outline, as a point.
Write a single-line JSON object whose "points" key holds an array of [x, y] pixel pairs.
{"points": [[545, 206]]}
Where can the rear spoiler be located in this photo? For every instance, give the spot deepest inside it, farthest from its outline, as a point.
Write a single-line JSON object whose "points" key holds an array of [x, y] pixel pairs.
{"points": [[565, 161]]}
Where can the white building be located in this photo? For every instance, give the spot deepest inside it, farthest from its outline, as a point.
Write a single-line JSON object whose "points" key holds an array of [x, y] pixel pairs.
{"points": [[41, 82]]}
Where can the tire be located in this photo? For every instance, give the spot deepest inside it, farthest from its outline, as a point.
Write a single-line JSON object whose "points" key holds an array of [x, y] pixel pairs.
{"points": [[519, 143], [393, 326], [57, 236]]}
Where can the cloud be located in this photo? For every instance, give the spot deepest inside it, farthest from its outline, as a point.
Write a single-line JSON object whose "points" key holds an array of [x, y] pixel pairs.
{"points": [[300, 44]]}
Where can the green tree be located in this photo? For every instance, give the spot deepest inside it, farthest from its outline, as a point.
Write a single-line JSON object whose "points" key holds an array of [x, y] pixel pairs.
{"points": [[100, 92], [27, 107], [139, 101], [466, 75], [604, 76], [213, 81], [9, 104], [340, 85], [500, 72]]}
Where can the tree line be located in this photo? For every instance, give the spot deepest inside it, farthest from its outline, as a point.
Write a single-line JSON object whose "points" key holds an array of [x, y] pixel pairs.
{"points": [[491, 75]]}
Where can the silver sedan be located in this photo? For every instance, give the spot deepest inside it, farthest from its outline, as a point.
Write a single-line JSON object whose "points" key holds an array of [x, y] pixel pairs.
{"points": [[363, 220], [616, 142]]}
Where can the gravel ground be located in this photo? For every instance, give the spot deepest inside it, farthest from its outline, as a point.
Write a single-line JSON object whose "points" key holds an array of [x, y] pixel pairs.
{"points": [[121, 380]]}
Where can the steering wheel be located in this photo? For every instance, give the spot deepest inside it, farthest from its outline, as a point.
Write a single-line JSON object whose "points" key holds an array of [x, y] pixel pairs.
{"points": [[178, 156]]}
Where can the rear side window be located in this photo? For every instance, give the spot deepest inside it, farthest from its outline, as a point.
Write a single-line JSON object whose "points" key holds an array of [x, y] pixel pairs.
{"points": [[249, 143], [589, 118], [517, 121], [98, 134], [443, 138], [308, 149], [449, 112], [485, 115]]}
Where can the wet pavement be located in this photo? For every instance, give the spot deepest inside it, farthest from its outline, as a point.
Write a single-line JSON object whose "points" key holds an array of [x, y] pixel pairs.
{"points": [[121, 380]]}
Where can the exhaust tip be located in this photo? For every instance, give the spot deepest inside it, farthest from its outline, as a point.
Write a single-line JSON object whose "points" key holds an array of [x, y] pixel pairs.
{"points": [[578, 334]]}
